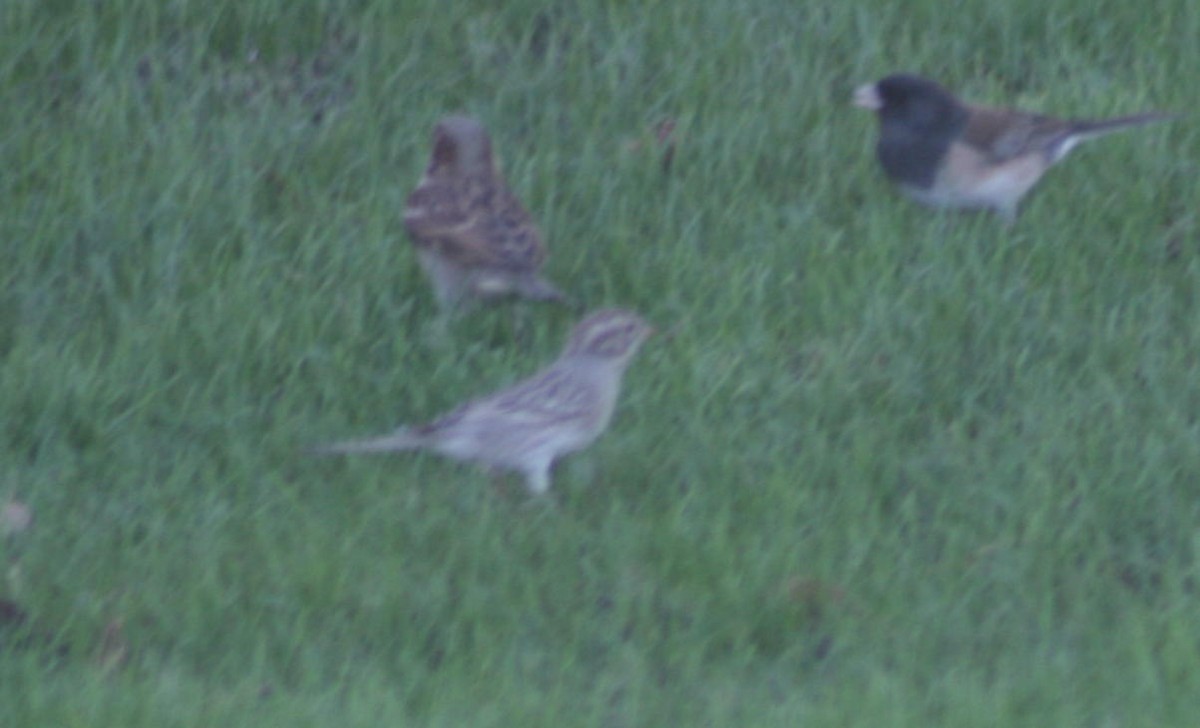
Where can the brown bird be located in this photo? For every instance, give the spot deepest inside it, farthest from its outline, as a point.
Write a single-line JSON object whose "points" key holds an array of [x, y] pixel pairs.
{"points": [[947, 153], [472, 235], [527, 426]]}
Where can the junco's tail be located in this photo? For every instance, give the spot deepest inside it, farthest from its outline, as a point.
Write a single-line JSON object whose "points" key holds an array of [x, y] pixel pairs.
{"points": [[1082, 130], [1104, 126], [402, 439]]}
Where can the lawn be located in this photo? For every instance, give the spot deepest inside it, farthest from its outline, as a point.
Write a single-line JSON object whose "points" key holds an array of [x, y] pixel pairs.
{"points": [[880, 467]]}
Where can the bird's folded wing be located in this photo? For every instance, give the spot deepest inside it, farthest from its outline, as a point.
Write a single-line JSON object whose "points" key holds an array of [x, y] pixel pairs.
{"points": [[488, 229], [1003, 135], [551, 397]]}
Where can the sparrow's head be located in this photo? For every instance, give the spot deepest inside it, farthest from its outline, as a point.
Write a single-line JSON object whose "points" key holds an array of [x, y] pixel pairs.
{"points": [[612, 334], [460, 146], [915, 101]]}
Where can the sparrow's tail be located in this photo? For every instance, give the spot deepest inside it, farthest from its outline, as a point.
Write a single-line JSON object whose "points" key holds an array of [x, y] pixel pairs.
{"points": [[402, 439]]}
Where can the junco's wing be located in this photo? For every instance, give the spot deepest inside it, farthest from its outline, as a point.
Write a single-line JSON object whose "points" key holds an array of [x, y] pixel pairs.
{"points": [[1004, 134]]}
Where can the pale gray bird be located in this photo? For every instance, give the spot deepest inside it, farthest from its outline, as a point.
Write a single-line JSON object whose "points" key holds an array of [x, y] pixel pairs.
{"points": [[527, 426], [472, 235]]}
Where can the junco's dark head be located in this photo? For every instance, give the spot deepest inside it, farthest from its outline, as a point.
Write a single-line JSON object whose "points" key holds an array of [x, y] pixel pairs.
{"points": [[912, 100], [918, 120]]}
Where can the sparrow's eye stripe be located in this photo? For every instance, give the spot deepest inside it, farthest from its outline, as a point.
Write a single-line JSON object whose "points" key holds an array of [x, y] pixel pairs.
{"points": [[614, 341]]}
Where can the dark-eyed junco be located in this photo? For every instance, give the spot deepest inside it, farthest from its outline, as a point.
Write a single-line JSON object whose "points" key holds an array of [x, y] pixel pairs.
{"points": [[473, 236], [947, 153]]}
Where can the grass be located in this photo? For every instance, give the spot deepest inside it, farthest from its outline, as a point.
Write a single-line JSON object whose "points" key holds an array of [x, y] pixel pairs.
{"points": [[889, 468]]}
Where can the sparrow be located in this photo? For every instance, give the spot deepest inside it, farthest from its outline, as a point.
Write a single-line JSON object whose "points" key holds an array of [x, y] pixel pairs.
{"points": [[529, 425], [944, 152], [472, 235]]}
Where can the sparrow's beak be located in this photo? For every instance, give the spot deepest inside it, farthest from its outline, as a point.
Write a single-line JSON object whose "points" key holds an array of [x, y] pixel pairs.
{"points": [[867, 97]]}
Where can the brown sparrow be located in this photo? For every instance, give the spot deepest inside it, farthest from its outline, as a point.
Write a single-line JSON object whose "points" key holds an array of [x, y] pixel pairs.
{"points": [[472, 235]]}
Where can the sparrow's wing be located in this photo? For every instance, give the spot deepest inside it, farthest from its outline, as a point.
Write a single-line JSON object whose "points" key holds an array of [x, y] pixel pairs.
{"points": [[554, 396], [547, 407], [476, 225], [550, 398]]}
